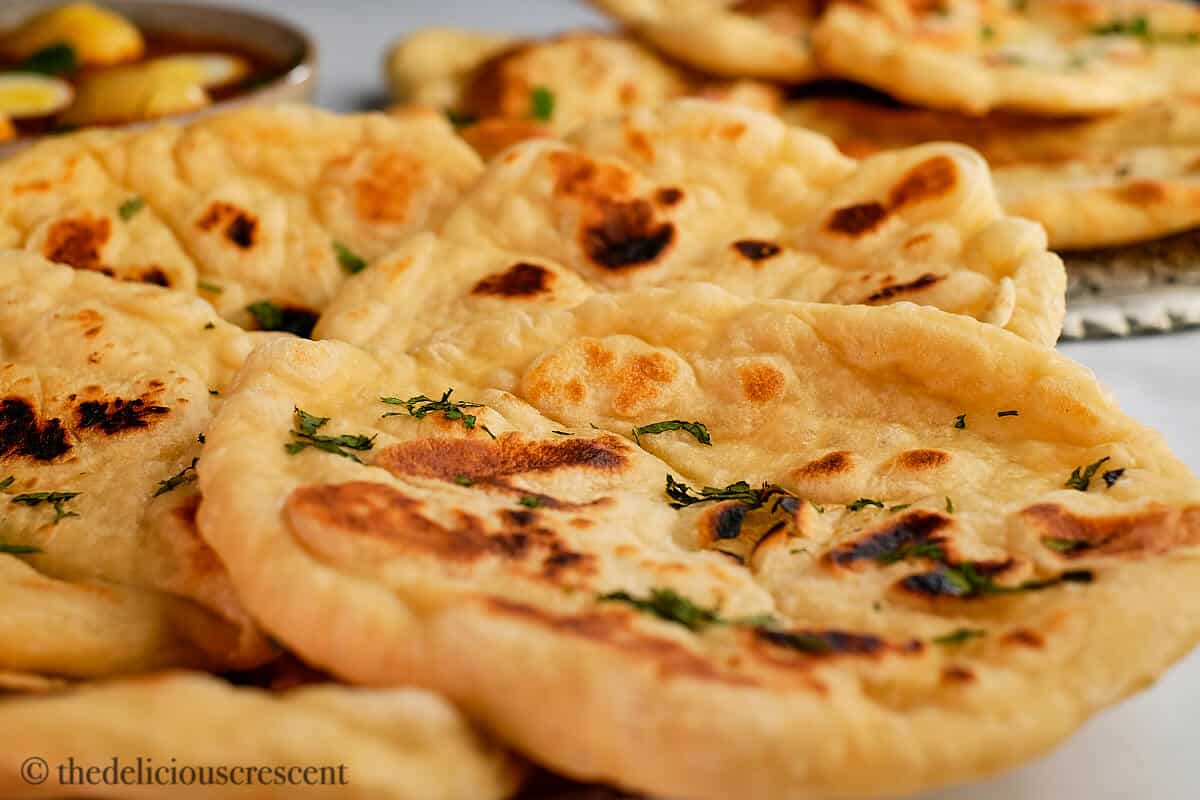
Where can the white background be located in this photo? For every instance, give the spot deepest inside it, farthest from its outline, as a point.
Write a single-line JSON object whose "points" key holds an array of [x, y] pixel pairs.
{"points": [[1149, 747]]}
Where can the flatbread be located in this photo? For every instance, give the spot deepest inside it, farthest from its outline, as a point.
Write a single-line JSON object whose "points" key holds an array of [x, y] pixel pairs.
{"points": [[1056, 57], [476, 565], [702, 191], [1092, 183], [488, 83], [768, 39], [107, 390], [241, 207], [400, 744]]}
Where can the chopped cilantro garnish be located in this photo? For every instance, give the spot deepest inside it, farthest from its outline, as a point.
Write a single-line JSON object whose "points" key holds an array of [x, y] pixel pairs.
{"points": [[1066, 546], [56, 499], [208, 286], [463, 480], [959, 636], [7, 482], [1081, 477], [530, 501], [669, 605], [931, 550], [422, 406], [1008, 413], [1112, 476], [949, 506], [351, 262], [683, 495], [19, 549], [185, 475], [696, 429], [541, 104], [563, 433], [306, 436], [271, 317], [863, 502], [130, 208], [960, 421], [460, 119]]}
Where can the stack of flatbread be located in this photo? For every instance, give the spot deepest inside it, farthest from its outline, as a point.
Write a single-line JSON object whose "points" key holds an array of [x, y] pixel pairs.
{"points": [[683, 453], [1087, 110]]}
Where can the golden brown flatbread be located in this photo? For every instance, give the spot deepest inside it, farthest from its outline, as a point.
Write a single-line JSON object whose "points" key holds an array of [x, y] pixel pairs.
{"points": [[703, 191], [1100, 182], [256, 204], [502, 90], [108, 388], [1053, 57], [193, 735], [767, 39], [927, 554]]}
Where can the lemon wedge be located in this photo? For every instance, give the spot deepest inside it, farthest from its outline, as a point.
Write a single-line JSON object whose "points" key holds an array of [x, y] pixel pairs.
{"points": [[97, 36], [212, 70], [135, 92], [24, 95]]}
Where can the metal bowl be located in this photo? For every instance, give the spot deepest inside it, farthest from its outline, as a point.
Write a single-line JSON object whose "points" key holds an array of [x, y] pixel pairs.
{"points": [[276, 39]]}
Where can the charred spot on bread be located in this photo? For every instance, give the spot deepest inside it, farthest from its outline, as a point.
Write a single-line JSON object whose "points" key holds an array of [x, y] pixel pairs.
{"points": [[519, 280], [23, 435], [118, 414]]}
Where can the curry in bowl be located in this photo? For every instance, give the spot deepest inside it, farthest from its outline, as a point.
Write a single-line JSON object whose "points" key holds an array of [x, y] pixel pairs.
{"points": [[81, 64]]}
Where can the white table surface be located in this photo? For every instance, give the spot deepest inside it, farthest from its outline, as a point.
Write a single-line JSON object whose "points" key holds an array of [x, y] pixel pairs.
{"points": [[1149, 747]]}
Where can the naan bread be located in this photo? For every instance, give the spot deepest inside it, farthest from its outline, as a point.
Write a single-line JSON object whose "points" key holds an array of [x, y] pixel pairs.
{"points": [[766, 39], [1056, 57], [107, 390], [399, 744], [1109, 181], [943, 608], [700, 191], [488, 83], [246, 206]]}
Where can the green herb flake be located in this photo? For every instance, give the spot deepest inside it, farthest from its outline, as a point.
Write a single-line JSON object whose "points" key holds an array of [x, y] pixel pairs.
{"points": [[7, 482], [272, 317], [1066, 546], [541, 104], [949, 506], [1008, 413], [463, 480], [987, 33], [562, 433], [56, 499], [351, 262], [530, 501], [930, 550], [201, 438], [1081, 477], [960, 421], [208, 326], [185, 475], [697, 429], [57, 59], [305, 435], [421, 406], [209, 286], [19, 549], [894, 509], [960, 636], [968, 580], [863, 502], [461, 119], [682, 495], [669, 605], [130, 208], [1112, 476], [1138, 26]]}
